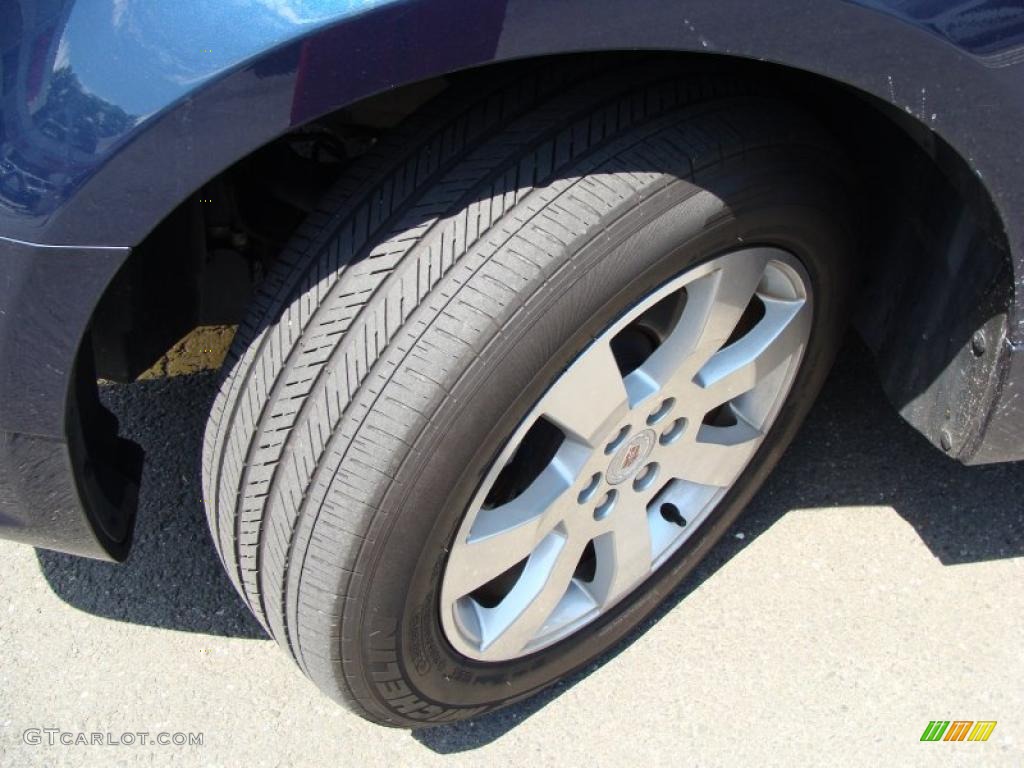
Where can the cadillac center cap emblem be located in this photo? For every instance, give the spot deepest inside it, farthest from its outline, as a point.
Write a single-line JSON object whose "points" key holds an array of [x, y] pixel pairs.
{"points": [[630, 457]]}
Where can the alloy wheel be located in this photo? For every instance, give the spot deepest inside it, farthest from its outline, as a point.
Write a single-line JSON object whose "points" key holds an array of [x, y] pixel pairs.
{"points": [[626, 455]]}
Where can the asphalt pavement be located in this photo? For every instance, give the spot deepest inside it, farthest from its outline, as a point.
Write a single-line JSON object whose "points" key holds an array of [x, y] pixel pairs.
{"points": [[871, 587]]}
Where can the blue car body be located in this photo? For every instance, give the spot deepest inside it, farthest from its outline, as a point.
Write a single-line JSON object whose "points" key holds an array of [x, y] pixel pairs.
{"points": [[112, 112]]}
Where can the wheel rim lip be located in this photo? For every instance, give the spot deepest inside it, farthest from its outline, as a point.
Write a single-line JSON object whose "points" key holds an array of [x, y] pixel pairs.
{"points": [[464, 640]]}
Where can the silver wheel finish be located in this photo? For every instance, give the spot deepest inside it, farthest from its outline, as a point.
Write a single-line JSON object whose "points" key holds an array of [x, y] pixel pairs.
{"points": [[646, 452]]}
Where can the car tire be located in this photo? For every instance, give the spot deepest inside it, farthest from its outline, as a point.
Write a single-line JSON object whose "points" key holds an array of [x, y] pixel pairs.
{"points": [[455, 273]]}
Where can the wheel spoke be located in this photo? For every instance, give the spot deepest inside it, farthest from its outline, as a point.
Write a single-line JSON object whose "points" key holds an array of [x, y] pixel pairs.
{"points": [[714, 305], [716, 456], [503, 536], [589, 396], [624, 553], [509, 627], [738, 368]]}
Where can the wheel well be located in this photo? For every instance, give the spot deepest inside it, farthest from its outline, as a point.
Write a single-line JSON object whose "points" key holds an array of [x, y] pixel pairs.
{"points": [[932, 307]]}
